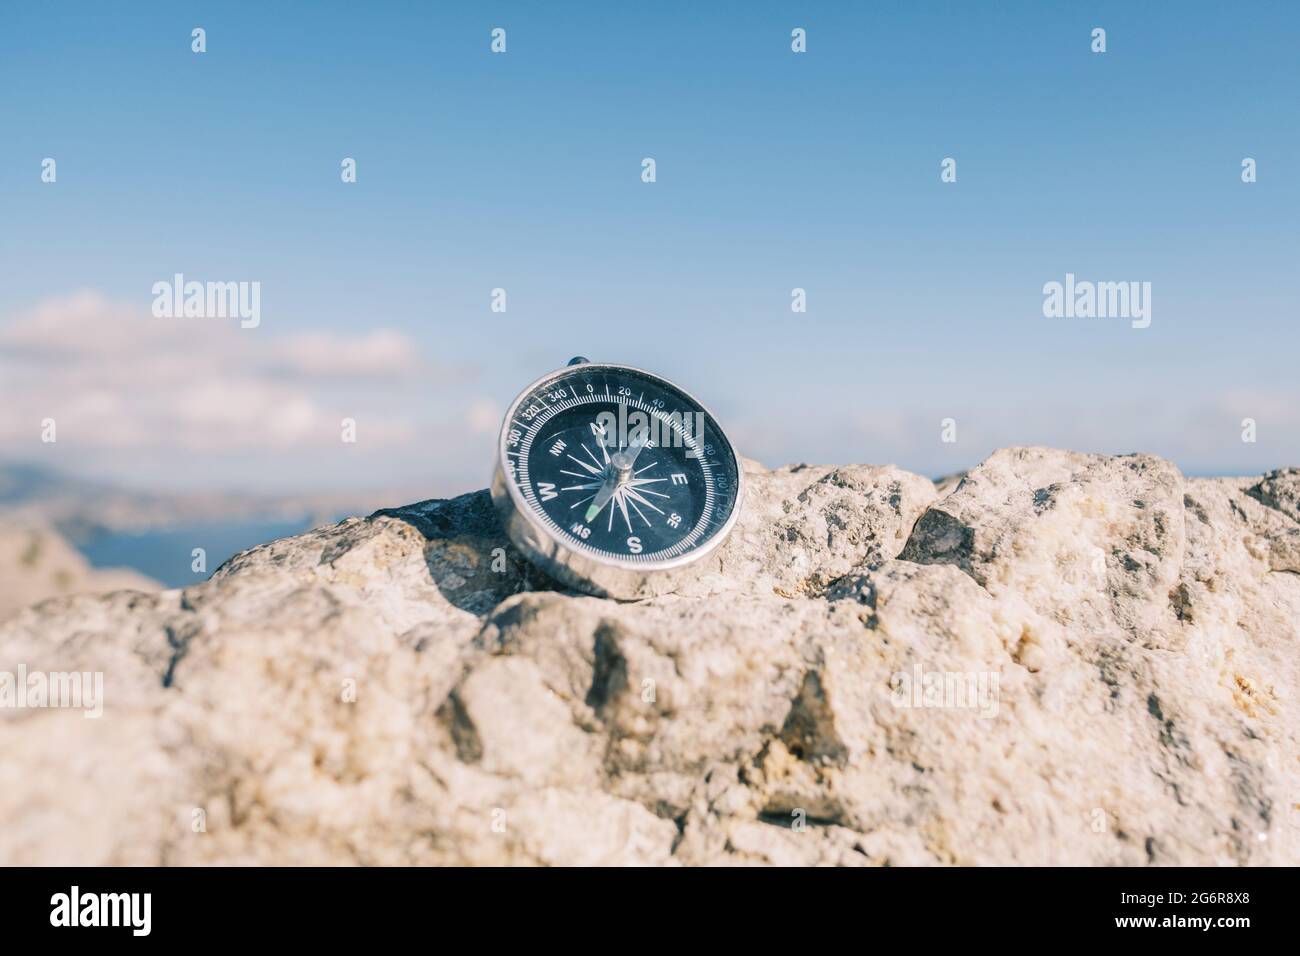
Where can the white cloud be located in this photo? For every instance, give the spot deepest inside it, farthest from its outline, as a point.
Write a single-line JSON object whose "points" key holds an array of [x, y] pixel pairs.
{"points": [[1201, 434], [483, 417], [201, 394], [382, 354], [146, 400]]}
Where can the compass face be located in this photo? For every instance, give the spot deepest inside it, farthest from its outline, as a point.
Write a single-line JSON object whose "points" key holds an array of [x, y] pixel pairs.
{"points": [[621, 465]]}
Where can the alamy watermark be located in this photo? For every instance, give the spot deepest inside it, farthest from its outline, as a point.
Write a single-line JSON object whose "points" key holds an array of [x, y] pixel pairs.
{"points": [[208, 300], [658, 430], [75, 690], [1098, 300], [962, 690], [133, 911]]}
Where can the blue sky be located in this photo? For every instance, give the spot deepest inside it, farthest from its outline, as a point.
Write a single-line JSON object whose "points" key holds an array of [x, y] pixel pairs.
{"points": [[774, 171]]}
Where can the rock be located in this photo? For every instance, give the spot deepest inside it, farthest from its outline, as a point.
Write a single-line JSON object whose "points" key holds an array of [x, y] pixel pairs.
{"points": [[1280, 490], [1060, 659], [36, 563]]}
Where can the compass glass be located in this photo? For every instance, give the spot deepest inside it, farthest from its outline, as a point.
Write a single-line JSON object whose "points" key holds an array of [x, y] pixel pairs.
{"points": [[615, 461]]}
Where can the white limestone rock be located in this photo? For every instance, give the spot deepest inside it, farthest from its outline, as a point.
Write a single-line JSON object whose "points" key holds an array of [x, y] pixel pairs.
{"points": [[1065, 658]]}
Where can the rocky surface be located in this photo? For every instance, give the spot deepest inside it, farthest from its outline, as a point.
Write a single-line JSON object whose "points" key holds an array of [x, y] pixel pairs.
{"points": [[36, 563], [1061, 659]]}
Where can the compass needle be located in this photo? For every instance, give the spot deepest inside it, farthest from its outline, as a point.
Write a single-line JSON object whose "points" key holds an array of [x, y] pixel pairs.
{"points": [[607, 491]]}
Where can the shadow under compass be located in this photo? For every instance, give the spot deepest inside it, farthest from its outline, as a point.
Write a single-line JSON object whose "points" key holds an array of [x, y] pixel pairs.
{"points": [[470, 560]]}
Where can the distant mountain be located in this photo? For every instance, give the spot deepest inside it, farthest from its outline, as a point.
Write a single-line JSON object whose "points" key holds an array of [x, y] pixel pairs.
{"points": [[145, 538], [20, 483], [33, 495], [36, 563]]}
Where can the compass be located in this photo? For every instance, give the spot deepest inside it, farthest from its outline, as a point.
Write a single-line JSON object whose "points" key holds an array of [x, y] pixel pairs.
{"points": [[614, 480]]}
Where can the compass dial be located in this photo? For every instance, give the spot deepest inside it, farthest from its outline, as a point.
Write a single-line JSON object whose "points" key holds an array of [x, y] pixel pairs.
{"points": [[620, 466]]}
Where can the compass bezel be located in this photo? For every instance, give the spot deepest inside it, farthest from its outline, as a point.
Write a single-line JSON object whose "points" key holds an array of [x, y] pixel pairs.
{"points": [[594, 570]]}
